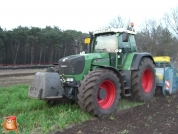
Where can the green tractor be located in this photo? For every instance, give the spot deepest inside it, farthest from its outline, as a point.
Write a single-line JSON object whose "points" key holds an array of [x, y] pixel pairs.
{"points": [[97, 80]]}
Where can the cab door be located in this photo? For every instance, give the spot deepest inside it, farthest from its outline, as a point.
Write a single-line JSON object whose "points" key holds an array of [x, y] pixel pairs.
{"points": [[124, 47]]}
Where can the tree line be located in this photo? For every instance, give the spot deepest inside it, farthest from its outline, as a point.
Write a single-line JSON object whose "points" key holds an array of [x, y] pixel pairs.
{"points": [[23, 45], [35, 45]]}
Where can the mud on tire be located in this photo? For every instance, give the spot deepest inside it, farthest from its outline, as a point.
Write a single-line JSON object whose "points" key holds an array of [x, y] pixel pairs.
{"points": [[144, 81], [99, 92]]}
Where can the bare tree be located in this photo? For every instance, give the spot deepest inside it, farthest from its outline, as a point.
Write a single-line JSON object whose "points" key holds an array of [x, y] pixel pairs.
{"points": [[171, 19], [119, 22], [156, 39], [147, 38]]}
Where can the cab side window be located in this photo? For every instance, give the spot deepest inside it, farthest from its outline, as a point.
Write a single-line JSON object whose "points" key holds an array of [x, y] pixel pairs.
{"points": [[125, 37], [123, 41], [133, 43]]}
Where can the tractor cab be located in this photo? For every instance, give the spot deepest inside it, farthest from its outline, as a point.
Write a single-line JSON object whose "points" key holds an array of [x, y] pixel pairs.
{"points": [[118, 43], [111, 40]]}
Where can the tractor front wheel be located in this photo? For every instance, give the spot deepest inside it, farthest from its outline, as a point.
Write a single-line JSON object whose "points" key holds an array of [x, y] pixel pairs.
{"points": [[144, 81], [99, 92]]}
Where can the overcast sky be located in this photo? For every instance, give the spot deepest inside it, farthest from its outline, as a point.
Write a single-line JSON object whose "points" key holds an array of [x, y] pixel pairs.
{"points": [[80, 15]]}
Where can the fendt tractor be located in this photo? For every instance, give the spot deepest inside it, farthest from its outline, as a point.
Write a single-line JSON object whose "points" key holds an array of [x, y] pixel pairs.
{"points": [[112, 68]]}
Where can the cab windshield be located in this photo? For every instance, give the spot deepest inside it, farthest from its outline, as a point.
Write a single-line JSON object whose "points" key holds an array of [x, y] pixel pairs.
{"points": [[105, 43]]}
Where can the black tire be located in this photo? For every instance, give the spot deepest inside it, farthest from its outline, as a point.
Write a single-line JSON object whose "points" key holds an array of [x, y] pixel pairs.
{"points": [[144, 81], [104, 103]]}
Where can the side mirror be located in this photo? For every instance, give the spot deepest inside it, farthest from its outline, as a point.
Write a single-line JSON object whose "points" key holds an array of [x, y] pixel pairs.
{"points": [[125, 37], [87, 41]]}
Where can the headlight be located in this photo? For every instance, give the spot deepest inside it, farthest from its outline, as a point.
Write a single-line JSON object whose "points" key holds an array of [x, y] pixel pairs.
{"points": [[70, 79], [120, 50]]}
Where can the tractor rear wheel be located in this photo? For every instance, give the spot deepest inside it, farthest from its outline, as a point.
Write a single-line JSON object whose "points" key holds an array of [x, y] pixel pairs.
{"points": [[99, 92], [144, 80]]}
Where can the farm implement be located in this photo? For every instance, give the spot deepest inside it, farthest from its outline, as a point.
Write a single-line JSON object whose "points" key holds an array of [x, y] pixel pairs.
{"points": [[112, 68], [167, 75]]}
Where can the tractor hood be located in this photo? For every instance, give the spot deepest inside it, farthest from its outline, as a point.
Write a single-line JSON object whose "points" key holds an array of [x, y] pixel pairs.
{"points": [[71, 65], [97, 59], [77, 66]]}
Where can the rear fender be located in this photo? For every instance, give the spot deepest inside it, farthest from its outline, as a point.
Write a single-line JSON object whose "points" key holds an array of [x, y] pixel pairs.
{"points": [[137, 58]]}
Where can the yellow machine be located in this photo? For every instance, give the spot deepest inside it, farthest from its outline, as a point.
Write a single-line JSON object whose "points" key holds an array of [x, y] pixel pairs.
{"points": [[162, 59], [166, 73]]}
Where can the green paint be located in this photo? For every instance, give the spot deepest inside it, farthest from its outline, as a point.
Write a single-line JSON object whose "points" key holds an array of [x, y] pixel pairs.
{"points": [[91, 59], [128, 61]]}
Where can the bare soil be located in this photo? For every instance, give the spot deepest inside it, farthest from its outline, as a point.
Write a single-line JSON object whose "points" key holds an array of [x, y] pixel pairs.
{"points": [[18, 76], [160, 116]]}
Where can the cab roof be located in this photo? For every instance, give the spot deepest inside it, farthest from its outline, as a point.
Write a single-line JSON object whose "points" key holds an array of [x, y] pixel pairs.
{"points": [[114, 30]]}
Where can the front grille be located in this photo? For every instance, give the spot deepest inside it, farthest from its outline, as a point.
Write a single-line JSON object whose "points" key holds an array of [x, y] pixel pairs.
{"points": [[72, 65]]}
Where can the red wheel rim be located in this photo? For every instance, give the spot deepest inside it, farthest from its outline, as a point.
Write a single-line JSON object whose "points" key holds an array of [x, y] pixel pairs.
{"points": [[110, 90], [147, 81]]}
